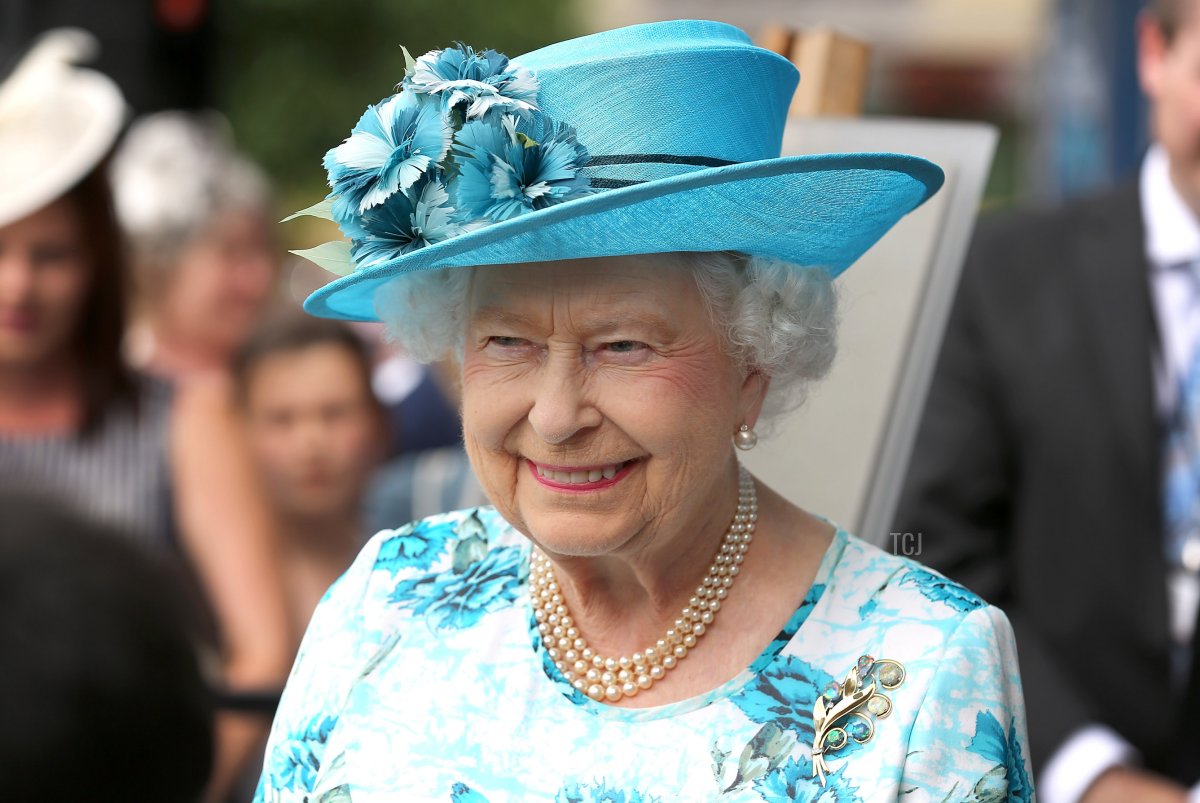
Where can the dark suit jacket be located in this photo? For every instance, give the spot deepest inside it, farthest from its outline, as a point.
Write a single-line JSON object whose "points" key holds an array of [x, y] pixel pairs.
{"points": [[1035, 476]]}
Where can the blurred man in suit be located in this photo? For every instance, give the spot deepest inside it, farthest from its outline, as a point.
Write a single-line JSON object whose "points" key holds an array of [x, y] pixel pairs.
{"points": [[1057, 469]]}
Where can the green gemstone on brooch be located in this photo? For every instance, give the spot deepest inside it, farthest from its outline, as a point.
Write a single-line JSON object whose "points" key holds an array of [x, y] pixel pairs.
{"points": [[879, 706], [890, 675], [835, 739], [832, 691], [859, 731]]}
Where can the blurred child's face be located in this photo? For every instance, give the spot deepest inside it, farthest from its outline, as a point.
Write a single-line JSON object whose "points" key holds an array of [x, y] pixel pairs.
{"points": [[222, 282], [314, 430], [44, 277]]}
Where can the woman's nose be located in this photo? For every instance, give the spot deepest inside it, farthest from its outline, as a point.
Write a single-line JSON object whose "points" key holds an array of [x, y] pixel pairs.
{"points": [[562, 407]]}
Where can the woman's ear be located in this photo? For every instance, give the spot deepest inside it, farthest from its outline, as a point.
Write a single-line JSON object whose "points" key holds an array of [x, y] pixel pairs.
{"points": [[754, 392]]}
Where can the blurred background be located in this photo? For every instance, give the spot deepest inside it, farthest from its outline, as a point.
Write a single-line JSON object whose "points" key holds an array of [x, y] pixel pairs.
{"points": [[290, 74]]}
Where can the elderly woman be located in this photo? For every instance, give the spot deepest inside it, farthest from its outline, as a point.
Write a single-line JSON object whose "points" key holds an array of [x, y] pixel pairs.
{"points": [[633, 282]]}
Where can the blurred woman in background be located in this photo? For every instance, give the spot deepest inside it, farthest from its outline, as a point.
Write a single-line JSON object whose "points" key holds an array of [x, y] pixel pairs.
{"points": [[75, 422], [317, 432], [198, 219]]}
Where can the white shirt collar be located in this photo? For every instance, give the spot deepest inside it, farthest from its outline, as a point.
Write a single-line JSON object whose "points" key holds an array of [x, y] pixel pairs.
{"points": [[1172, 229]]}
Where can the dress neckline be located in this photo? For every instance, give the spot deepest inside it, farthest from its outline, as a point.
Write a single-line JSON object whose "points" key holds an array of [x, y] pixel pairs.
{"points": [[576, 700]]}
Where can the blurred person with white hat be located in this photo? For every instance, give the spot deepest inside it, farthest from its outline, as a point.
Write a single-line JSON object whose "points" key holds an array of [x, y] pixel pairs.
{"points": [[197, 215], [76, 423]]}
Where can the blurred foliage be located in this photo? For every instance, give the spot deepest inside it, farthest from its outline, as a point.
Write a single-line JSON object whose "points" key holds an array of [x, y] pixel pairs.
{"points": [[295, 75]]}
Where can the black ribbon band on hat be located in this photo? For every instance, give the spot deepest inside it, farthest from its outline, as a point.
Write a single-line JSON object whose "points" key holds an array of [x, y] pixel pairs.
{"points": [[647, 158]]}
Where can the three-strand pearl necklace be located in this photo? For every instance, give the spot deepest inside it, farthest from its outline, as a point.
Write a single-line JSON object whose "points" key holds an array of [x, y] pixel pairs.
{"points": [[607, 678]]}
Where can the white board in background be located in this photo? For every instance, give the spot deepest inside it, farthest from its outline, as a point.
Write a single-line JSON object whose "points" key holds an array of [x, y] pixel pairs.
{"points": [[844, 453]]}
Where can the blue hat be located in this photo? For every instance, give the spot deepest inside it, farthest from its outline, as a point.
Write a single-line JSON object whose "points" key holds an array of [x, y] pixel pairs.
{"points": [[647, 139]]}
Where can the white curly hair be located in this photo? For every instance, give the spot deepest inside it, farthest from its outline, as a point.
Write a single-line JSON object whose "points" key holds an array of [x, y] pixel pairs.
{"points": [[774, 317]]}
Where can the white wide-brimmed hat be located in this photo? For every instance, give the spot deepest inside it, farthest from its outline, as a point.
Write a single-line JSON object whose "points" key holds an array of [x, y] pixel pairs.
{"points": [[57, 122]]}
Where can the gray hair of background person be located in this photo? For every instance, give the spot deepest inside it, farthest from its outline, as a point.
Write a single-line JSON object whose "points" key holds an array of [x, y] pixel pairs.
{"points": [[103, 696], [774, 317], [173, 175]]}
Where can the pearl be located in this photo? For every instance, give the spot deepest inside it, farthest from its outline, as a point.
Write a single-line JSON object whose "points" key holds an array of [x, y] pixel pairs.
{"points": [[644, 681], [629, 688], [612, 693], [689, 641], [624, 675], [608, 678], [596, 692], [657, 672], [680, 651], [669, 661]]}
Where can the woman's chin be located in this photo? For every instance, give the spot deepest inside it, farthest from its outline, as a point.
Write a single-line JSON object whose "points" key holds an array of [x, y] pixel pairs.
{"points": [[578, 535]]}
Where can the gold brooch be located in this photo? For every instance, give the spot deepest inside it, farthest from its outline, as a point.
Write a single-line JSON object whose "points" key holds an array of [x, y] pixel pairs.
{"points": [[838, 714]]}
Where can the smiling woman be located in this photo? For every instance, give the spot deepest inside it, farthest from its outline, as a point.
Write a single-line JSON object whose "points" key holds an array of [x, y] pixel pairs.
{"points": [[634, 617]]}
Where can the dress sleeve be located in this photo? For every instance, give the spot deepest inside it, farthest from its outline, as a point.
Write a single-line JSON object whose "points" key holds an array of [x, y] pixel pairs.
{"points": [[333, 651], [969, 740]]}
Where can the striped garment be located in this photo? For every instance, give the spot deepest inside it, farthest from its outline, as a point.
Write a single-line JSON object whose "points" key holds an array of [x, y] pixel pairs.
{"points": [[118, 476]]}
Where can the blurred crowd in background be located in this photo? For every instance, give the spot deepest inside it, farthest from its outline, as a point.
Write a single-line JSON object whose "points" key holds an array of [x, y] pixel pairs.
{"points": [[163, 375]]}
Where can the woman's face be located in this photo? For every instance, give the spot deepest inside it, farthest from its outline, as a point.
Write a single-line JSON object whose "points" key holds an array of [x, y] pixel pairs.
{"points": [[314, 430], [598, 402], [44, 276], [222, 281]]}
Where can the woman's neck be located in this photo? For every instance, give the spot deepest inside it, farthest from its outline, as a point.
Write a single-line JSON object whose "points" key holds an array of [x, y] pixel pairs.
{"points": [[316, 554], [618, 619], [47, 397], [628, 600]]}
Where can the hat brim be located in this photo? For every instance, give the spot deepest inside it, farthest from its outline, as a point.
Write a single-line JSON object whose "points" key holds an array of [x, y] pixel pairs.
{"points": [[822, 210]]}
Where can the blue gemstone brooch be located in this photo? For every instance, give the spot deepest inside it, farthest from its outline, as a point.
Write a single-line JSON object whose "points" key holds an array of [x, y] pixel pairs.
{"points": [[848, 710]]}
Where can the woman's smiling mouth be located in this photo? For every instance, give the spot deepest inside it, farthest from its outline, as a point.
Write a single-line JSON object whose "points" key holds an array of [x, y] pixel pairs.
{"points": [[581, 478]]}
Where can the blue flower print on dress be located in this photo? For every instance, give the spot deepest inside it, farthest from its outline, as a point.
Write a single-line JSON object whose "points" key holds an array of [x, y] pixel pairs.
{"points": [[461, 793], [939, 589], [793, 782], [600, 793], [295, 763], [394, 143], [1008, 781], [459, 599], [416, 545], [404, 223], [479, 80], [784, 693], [516, 167]]}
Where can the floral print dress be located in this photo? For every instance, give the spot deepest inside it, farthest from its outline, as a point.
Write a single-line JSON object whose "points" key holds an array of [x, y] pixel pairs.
{"points": [[422, 677]]}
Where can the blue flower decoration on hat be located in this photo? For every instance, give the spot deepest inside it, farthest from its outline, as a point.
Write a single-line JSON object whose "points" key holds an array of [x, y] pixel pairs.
{"points": [[505, 172], [481, 81], [401, 224], [394, 144], [462, 145]]}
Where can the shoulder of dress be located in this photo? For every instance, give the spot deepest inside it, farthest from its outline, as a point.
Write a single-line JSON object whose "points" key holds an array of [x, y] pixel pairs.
{"points": [[878, 585]]}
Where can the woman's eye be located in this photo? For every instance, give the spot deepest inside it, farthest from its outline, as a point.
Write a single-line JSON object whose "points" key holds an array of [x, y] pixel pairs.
{"points": [[504, 341], [625, 346]]}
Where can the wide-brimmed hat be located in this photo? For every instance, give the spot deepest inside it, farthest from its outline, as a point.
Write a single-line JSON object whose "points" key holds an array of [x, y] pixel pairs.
{"points": [[652, 138], [57, 122]]}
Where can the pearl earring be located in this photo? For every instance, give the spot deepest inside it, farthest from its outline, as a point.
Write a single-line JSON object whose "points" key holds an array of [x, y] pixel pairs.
{"points": [[745, 438]]}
